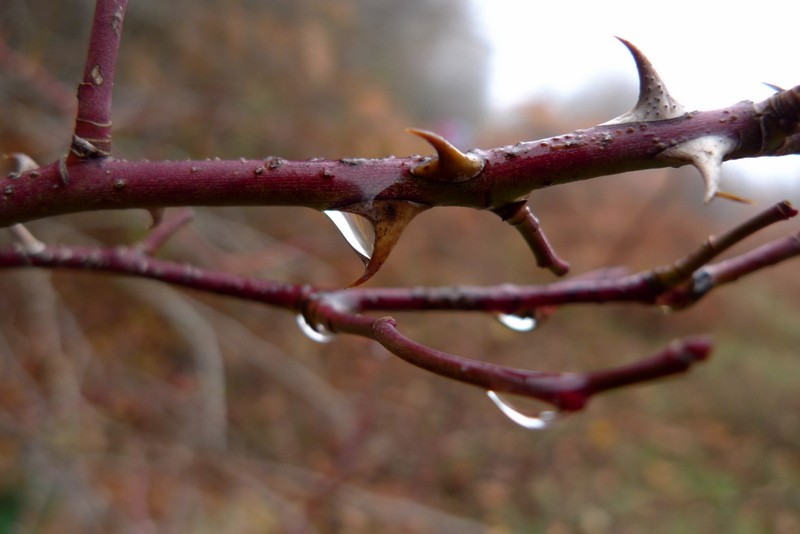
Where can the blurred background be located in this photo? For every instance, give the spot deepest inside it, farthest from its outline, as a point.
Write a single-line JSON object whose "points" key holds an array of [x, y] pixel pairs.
{"points": [[129, 406]]}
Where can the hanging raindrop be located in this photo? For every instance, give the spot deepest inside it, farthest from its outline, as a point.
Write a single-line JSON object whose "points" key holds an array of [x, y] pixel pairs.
{"points": [[318, 333], [517, 323], [539, 422], [357, 230]]}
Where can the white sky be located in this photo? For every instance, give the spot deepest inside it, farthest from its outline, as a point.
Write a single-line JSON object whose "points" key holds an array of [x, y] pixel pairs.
{"points": [[710, 54]]}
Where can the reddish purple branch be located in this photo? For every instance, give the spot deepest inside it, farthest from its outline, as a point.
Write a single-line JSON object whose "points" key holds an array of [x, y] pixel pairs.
{"points": [[676, 358], [520, 216], [93, 121], [133, 261], [509, 174], [715, 245], [497, 179], [764, 256], [341, 310], [565, 391]]}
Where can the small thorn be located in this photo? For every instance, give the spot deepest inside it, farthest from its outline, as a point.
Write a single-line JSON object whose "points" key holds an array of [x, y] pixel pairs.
{"points": [[22, 162], [655, 103], [450, 165], [156, 216], [706, 154], [29, 243]]}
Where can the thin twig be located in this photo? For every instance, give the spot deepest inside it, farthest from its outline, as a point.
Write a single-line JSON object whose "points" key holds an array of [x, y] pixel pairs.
{"points": [[92, 136]]}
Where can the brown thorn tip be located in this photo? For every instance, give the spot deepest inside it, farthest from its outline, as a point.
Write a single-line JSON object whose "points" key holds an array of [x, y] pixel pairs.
{"points": [[733, 197], [451, 165], [388, 219], [774, 87]]}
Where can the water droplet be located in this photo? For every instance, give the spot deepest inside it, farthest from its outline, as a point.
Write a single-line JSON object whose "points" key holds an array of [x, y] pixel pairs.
{"points": [[357, 230], [315, 333], [538, 422], [517, 323]]}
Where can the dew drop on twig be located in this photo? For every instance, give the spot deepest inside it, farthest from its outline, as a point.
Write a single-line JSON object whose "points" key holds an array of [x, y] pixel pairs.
{"points": [[517, 323], [318, 333], [538, 422], [357, 230]]}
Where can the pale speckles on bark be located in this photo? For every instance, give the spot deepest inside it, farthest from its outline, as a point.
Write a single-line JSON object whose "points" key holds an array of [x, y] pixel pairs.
{"points": [[116, 21]]}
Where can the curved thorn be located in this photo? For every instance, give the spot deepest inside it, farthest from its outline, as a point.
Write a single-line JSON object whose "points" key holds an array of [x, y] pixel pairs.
{"points": [[156, 216], [22, 162], [388, 219], [655, 102], [706, 154], [450, 165]]}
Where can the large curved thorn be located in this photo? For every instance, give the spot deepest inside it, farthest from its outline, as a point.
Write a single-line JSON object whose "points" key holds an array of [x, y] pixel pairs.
{"points": [[655, 103]]}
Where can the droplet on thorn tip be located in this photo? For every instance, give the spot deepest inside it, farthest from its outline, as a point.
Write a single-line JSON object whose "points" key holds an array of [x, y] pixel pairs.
{"points": [[541, 421], [318, 334], [356, 230], [517, 323]]}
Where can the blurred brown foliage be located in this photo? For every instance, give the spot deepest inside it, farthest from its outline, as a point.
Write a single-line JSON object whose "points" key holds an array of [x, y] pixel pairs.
{"points": [[130, 406]]}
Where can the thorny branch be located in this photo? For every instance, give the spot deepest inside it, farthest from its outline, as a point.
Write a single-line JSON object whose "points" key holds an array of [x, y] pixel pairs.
{"points": [[374, 200], [343, 311]]}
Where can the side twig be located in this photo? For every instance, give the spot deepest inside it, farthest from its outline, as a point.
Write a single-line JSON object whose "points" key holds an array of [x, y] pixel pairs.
{"points": [[343, 311]]}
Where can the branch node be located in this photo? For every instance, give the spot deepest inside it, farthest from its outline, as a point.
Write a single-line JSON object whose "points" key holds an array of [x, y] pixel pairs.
{"points": [[519, 215], [85, 149], [669, 277]]}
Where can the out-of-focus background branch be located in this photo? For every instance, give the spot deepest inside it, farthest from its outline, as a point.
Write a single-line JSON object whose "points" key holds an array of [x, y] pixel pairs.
{"points": [[124, 406]]}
